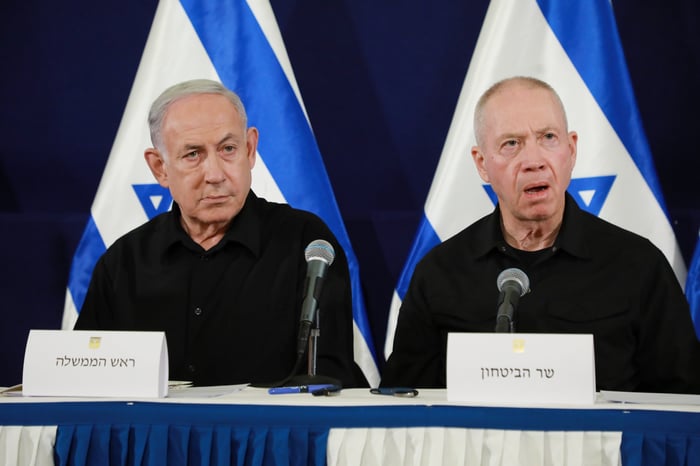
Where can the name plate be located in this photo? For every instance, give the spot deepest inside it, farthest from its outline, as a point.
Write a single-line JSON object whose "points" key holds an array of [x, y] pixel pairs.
{"points": [[95, 363], [520, 368]]}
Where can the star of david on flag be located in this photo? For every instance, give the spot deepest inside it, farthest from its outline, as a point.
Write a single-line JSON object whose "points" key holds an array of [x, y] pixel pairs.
{"points": [[154, 198], [589, 193], [241, 46], [575, 47]]}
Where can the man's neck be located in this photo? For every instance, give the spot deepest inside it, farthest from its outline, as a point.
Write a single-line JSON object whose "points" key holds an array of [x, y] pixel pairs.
{"points": [[207, 236], [531, 235]]}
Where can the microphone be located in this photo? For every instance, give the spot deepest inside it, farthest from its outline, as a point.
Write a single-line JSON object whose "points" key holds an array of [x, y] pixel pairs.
{"points": [[512, 283], [319, 256]]}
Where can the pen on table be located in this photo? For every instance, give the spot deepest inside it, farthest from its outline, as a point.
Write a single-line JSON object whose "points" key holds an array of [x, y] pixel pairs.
{"points": [[301, 388], [407, 392]]}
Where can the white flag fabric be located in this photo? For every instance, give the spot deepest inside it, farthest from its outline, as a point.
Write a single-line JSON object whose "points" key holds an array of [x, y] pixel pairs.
{"points": [[238, 43], [575, 47]]}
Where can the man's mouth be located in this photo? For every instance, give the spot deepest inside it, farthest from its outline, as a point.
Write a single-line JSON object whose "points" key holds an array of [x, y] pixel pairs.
{"points": [[536, 189], [213, 198]]}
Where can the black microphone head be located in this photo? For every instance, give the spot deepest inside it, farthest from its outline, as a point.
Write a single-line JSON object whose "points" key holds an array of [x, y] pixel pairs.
{"points": [[513, 276], [320, 250]]}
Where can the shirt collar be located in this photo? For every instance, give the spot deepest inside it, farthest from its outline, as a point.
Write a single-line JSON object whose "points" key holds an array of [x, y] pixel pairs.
{"points": [[245, 228], [571, 237]]}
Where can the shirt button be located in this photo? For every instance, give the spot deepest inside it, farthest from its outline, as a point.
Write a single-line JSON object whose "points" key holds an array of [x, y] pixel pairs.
{"points": [[191, 368], [198, 311]]}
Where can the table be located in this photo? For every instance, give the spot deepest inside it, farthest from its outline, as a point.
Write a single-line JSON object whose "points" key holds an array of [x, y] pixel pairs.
{"points": [[250, 426]]}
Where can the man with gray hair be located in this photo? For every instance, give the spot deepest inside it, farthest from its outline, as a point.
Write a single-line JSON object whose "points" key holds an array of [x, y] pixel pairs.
{"points": [[586, 275], [223, 272]]}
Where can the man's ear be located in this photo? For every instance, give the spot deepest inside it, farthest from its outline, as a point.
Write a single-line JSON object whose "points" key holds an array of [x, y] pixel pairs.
{"points": [[573, 141], [156, 163], [480, 162], [251, 139]]}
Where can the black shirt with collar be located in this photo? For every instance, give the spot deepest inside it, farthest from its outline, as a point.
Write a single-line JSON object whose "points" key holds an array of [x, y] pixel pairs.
{"points": [[230, 314], [597, 278]]}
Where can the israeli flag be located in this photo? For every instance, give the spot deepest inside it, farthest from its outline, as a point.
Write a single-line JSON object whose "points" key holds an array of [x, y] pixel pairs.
{"points": [[692, 288], [575, 47], [238, 43]]}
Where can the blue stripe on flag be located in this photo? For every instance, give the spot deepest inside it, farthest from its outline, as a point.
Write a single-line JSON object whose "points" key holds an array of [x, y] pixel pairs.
{"points": [[426, 239], [287, 144], [596, 58], [285, 133], [90, 248], [692, 288]]}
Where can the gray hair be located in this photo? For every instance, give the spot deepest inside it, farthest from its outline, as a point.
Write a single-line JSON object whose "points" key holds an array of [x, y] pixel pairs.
{"points": [[527, 81], [184, 89]]}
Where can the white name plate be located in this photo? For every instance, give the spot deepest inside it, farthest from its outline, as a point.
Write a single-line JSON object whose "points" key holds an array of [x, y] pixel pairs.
{"points": [[516, 368], [95, 363]]}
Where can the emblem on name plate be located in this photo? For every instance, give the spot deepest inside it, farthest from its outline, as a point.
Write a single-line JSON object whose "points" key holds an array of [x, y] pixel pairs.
{"points": [[94, 342], [519, 345]]}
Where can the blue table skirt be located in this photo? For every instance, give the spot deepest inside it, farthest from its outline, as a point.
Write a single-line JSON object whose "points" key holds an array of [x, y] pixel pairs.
{"points": [[144, 433]]}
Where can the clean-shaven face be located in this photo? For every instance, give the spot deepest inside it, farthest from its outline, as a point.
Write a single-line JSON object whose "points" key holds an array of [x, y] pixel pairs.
{"points": [[526, 152], [208, 159]]}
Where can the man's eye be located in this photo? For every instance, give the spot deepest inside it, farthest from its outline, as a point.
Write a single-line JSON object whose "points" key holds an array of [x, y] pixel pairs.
{"points": [[510, 144], [550, 139], [191, 155]]}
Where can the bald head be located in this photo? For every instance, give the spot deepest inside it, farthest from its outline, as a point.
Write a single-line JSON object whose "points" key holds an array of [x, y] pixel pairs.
{"points": [[523, 81]]}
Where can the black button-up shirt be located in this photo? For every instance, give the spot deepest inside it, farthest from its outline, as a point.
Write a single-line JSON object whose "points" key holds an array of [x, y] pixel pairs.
{"points": [[231, 313], [597, 278]]}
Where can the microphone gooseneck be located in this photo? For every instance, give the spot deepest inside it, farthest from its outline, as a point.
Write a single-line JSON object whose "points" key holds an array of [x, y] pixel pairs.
{"points": [[512, 284]]}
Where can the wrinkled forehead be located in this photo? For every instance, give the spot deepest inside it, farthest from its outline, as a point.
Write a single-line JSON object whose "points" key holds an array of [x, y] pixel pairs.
{"points": [[518, 106]]}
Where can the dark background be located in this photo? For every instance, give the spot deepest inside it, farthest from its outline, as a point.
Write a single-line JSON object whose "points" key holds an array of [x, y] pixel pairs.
{"points": [[380, 79]]}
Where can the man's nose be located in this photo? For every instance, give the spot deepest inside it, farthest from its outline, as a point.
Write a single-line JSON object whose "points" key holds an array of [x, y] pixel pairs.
{"points": [[531, 156], [213, 168]]}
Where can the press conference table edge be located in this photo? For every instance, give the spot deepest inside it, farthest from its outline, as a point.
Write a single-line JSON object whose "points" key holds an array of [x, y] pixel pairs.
{"points": [[352, 408]]}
